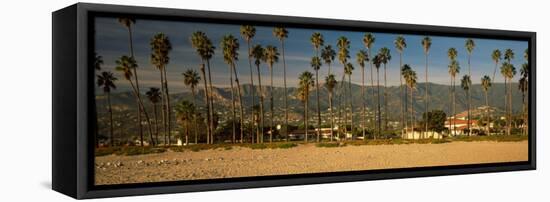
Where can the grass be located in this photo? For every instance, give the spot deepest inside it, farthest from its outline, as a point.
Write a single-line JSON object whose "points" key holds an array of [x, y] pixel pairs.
{"points": [[496, 138]]}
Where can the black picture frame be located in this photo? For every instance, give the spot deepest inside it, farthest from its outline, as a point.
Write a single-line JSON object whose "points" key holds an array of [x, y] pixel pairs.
{"points": [[73, 106]]}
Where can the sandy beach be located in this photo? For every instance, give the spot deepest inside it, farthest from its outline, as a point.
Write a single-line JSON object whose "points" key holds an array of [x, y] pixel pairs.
{"points": [[243, 162]]}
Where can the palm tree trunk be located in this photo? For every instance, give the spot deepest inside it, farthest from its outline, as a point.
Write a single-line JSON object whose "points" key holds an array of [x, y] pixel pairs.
{"points": [[211, 91], [385, 101], [318, 105], [285, 95], [261, 128], [252, 92], [271, 103], [137, 84], [454, 104], [163, 109], [372, 93], [363, 101], [306, 120], [144, 112], [156, 123], [412, 112], [350, 104], [378, 103], [511, 108], [331, 115], [427, 100], [233, 125], [206, 102], [240, 102], [506, 103], [168, 110], [469, 96], [195, 125], [401, 91], [487, 111], [110, 118], [450, 106]]}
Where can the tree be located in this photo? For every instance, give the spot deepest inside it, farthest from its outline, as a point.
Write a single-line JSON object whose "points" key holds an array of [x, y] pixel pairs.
{"points": [[125, 65], [127, 22], [191, 79], [230, 46], [385, 58], [98, 61], [508, 71], [368, 41], [106, 80], [343, 55], [426, 44], [470, 45], [410, 79], [328, 55], [496, 56], [271, 56], [330, 84], [436, 120], [247, 33], [161, 47], [348, 69], [306, 83], [377, 61], [258, 53], [466, 84], [362, 57], [154, 96], [204, 48], [400, 45], [316, 65], [524, 88], [454, 69], [486, 84], [317, 41], [185, 112], [281, 33]]}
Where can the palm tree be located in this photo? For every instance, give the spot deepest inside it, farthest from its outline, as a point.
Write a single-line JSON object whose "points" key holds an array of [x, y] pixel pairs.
{"points": [[470, 45], [330, 84], [348, 69], [191, 79], [204, 48], [185, 111], [466, 84], [127, 22], [377, 61], [125, 65], [306, 83], [496, 56], [281, 33], [161, 47], [454, 69], [385, 56], [230, 46], [271, 55], [316, 65], [486, 84], [247, 33], [508, 71], [508, 56], [328, 55], [259, 54], [106, 80], [98, 61], [154, 96], [368, 41], [426, 44], [317, 41], [343, 55], [400, 45], [410, 79], [524, 87], [362, 56]]}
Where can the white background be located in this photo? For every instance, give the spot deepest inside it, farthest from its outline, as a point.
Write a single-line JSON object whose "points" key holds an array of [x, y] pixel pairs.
{"points": [[25, 102]]}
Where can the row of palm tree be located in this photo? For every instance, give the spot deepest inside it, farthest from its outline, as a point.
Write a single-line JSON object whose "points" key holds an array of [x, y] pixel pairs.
{"points": [[187, 112]]}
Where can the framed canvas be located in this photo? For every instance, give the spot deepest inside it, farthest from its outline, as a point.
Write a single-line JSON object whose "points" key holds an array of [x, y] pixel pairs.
{"points": [[156, 100]]}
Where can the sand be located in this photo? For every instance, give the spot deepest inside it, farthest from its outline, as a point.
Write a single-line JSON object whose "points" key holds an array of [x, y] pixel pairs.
{"points": [[244, 162]]}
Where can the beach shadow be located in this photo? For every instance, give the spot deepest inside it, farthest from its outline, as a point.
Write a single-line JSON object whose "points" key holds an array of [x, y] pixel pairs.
{"points": [[46, 184]]}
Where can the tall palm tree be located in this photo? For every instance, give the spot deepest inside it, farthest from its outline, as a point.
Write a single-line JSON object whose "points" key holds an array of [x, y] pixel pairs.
{"points": [[271, 56], [362, 57], [185, 112], [466, 84], [106, 80], [470, 45], [377, 61], [368, 42], [426, 44], [317, 41], [98, 62], [343, 45], [306, 83], [400, 45], [410, 79], [508, 71], [348, 70], [496, 55], [486, 84], [524, 87], [204, 48], [127, 22], [247, 33], [154, 96], [258, 53], [191, 79], [385, 56], [281, 33], [316, 65], [330, 84], [161, 47], [508, 56], [125, 65], [454, 69], [229, 46]]}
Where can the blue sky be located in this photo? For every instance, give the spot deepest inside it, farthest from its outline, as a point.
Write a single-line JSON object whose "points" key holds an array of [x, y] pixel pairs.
{"points": [[112, 42]]}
